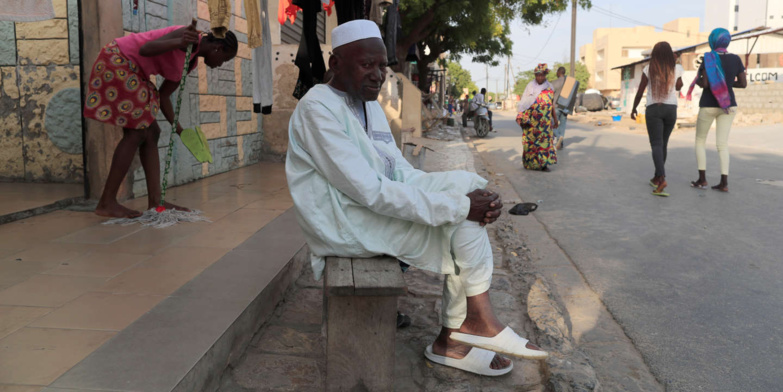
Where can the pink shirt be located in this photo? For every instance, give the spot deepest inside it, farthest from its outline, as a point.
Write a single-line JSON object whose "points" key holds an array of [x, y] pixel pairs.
{"points": [[168, 65]]}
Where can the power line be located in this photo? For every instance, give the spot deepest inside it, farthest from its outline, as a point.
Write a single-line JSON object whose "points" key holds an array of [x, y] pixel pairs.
{"points": [[612, 14], [551, 33]]}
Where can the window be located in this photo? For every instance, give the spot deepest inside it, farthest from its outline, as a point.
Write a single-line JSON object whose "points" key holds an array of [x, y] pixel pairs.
{"points": [[599, 76], [635, 53], [291, 34], [600, 55]]}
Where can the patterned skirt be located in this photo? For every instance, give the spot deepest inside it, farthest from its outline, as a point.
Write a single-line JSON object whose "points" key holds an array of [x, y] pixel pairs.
{"points": [[119, 93]]}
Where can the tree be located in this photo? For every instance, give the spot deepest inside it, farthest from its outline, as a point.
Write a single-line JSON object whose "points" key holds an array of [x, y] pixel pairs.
{"points": [[459, 79], [475, 27], [581, 74]]}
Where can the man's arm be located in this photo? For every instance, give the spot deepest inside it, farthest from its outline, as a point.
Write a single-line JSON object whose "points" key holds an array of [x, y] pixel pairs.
{"points": [[341, 163]]}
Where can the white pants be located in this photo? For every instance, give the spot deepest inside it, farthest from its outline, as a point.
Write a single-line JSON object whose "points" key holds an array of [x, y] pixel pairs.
{"points": [[723, 122], [472, 254]]}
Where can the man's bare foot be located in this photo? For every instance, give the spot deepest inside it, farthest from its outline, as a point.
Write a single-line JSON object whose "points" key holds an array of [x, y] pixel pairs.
{"points": [[445, 346], [170, 206], [721, 187], [116, 210]]}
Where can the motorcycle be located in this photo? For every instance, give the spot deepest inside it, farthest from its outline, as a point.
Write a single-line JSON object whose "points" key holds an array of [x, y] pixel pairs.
{"points": [[480, 118]]}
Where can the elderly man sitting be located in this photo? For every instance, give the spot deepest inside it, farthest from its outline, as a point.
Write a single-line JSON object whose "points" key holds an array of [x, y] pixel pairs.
{"points": [[356, 196]]}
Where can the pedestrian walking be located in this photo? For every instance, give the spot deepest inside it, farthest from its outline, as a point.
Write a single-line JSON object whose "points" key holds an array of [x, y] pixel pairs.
{"points": [[720, 73], [536, 115], [664, 76], [562, 112], [120, 93]]}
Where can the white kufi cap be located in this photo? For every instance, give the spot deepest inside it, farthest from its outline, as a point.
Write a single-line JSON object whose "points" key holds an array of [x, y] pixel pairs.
{"points": [[354, 30]]}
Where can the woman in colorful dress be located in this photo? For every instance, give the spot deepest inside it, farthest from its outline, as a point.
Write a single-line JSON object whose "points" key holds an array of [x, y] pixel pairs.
{"points": [[120, 93], [536, 115]]}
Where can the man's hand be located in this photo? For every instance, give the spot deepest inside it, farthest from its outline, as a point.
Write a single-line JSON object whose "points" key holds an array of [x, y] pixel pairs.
{"points": [[485, 206]]}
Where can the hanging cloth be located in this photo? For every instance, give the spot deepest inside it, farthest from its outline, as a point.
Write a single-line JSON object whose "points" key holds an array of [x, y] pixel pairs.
{"points": [[391, 31], [254, 32], [26, 10], [309, 58], [219, 17], [348, 10], [262, 66], [286, 10]]}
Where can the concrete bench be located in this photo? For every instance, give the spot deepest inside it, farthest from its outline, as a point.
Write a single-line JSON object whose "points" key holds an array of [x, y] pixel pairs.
{"points": [[360, 298]]}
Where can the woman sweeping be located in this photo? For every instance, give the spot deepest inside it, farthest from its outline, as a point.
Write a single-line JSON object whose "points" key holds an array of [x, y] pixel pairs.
{"points": [[120, 93], [665, 78], [536, 115], [720, 73]]}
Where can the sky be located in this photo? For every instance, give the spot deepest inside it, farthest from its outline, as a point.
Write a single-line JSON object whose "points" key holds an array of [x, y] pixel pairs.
{"points": [[530, 43]]}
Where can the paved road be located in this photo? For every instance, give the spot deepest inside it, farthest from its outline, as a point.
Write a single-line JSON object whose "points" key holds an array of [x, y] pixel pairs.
{"points": [[696, 279]]}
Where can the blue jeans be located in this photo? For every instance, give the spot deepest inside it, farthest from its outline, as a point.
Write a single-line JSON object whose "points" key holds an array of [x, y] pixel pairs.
{"points": [[562, 118]]}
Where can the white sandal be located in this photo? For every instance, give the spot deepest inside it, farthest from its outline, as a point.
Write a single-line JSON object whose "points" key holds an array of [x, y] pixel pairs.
{"points": [[506, 342], [477, 361]]}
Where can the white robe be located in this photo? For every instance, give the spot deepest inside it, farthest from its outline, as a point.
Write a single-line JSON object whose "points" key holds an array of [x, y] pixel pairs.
{"points": [[346, 205]]}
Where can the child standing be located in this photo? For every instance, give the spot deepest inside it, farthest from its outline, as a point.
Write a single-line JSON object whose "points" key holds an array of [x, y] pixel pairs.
{"points": [[120, 93]]}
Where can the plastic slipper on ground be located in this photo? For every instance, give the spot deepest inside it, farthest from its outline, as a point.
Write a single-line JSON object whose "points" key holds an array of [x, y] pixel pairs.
{"points": [[662, 194], [654, 185], [523, 208], [195, 141], [506, 342], [477, 361]]}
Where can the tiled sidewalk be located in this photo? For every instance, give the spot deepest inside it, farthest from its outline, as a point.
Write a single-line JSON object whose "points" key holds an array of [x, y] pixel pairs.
{"points": [[68, 284]]}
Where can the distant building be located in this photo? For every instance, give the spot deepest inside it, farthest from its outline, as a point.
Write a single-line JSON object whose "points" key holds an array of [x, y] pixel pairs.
{"points": [[761, 50], [742, 15], [612, 47]]}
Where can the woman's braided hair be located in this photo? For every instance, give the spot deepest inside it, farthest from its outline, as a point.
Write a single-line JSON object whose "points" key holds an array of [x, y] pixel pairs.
{"points": [[229, 43]]}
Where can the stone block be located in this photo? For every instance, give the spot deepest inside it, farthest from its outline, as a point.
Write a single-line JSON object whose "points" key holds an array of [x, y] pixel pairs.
{"points": [[209, 117], [244, 115], [52, 28], [155, 23], [276, 131], [43, 52], [157, 10], [251, 147], [212, 80], [231, 120], [60, 8], [7, 44], [203, 11], [226, 75], [73, 31], [241, 37], [44, 159], [247, 78], [11, 141], [244, 51], [240, 25]]}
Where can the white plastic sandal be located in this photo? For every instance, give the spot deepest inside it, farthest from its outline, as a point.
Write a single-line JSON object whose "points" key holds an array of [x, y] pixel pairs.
{"points": [[477, 361], [506, 342]]}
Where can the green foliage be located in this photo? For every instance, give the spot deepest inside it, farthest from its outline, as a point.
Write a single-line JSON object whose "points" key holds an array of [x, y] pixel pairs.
{"points": [[459, 78], [479, 28], [581, 73]]}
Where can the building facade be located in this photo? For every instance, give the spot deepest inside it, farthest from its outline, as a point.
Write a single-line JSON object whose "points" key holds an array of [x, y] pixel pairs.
{"points": [[742, 15], [612, 47]]}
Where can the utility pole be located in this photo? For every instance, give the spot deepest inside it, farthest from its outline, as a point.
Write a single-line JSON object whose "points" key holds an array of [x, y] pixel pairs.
{"points": [[573, 38], [497, 95], [486, 77]]}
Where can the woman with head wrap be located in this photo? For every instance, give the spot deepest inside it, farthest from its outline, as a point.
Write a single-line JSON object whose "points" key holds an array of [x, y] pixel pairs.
{"points": [[718, 75], [536, 116], [665, 78]]}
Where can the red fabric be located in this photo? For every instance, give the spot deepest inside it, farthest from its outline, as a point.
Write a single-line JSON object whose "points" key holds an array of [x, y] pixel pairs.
{"points": [[287, 10], [328, 8], [119, 92]]}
